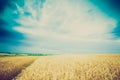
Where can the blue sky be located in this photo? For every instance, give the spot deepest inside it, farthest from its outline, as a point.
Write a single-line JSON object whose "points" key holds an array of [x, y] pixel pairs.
{"points": [[60, 26]]}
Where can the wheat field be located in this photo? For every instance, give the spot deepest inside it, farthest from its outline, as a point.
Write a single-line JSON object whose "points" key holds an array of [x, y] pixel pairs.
{"points": [[73, 67], [12, 66]]}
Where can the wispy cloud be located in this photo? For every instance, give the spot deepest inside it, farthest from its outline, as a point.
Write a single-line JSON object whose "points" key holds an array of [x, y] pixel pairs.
{"points": [[65, 26], [112, 9], [64, 19]]}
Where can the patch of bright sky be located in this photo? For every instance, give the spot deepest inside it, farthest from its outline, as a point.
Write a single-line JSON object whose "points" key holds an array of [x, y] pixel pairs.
{"points": [[64, 25]]}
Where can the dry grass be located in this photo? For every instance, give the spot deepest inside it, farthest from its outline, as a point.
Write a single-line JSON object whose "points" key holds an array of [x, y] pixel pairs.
{"points": [[73, 67], [11, 66]]}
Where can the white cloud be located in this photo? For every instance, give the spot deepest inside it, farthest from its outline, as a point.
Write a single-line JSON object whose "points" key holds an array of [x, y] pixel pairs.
{"points": [[65, 20]]}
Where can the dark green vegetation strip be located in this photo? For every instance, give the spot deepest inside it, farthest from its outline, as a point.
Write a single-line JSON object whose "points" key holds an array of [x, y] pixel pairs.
{"points": [[25, 54], [39, 54]]}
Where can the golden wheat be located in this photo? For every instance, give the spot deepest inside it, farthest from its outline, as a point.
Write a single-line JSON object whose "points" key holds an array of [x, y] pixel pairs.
{"points": [[11, 66], [73, 67]]}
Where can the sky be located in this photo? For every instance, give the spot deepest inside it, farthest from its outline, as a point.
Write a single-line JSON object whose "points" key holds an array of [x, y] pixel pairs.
{"points": [[60, 26]]}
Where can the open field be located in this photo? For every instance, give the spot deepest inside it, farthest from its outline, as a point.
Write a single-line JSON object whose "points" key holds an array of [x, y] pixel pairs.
{"points": [[12, 66], [73, 67]]}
